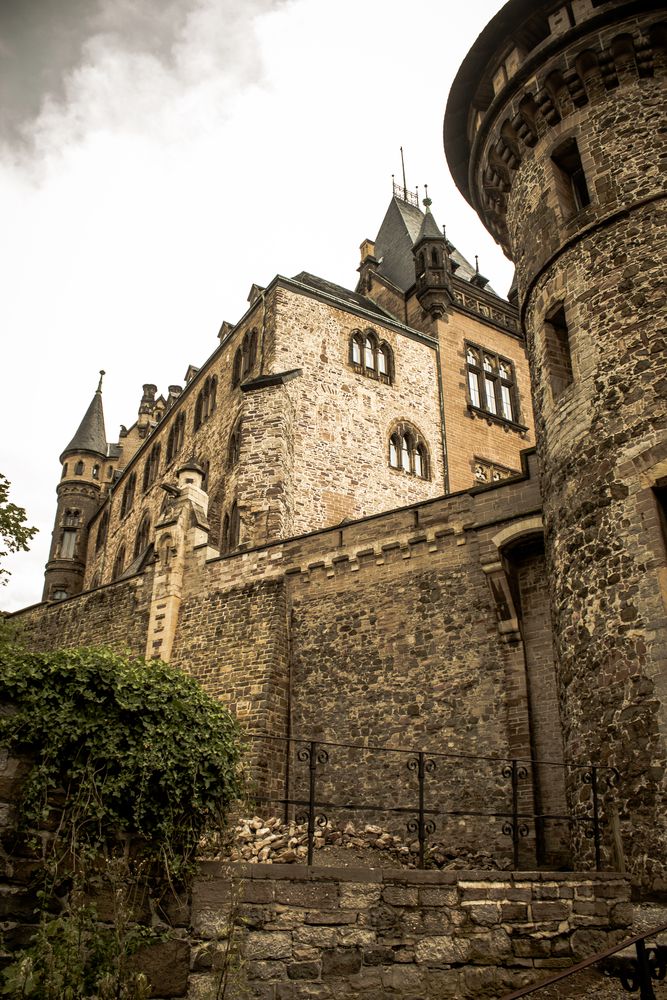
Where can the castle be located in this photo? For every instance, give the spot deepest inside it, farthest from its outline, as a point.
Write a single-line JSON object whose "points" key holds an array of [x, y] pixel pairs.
{"points": [[339, 525]]}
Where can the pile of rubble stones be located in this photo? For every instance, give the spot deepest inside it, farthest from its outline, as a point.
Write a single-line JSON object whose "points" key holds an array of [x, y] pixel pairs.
{"points": [[272, 841]]}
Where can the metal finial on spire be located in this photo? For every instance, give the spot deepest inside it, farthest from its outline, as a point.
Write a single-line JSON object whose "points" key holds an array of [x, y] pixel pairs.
{"points": [[405, 186], [99, 384], [476, 264], [427, 201]]}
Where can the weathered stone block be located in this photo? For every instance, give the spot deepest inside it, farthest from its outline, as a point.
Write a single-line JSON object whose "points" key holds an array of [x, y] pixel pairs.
{"points": [[442, 950], [261, 945], [167, 965], [304, 970], [340, 962]]}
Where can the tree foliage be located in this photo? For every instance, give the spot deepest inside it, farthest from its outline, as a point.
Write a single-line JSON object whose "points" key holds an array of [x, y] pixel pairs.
{"points": [[137, 746], [14, 532]]}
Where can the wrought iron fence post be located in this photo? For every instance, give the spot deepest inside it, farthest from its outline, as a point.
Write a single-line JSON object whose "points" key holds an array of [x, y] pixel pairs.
{"points": [[421, 827], [312, 768], [596, 816], [515, 815]]}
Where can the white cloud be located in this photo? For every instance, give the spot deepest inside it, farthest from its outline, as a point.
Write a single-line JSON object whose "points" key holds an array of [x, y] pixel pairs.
{"points": [[236, 141]]}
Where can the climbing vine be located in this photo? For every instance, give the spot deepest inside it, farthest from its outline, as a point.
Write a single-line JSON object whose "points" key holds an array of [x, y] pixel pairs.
{"points": [[131, 763]]}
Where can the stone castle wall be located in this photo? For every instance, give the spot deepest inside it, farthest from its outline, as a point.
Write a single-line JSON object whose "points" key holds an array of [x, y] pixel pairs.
{"points": [[384, 632], [304, 932]]}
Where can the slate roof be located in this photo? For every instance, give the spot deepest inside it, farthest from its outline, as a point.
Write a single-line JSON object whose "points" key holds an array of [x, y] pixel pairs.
{"points": [[91, 434], [400, 230], [338, 292]]}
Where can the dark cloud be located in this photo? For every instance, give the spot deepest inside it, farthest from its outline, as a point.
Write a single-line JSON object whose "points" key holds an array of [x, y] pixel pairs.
{"points": [[43, 41]]}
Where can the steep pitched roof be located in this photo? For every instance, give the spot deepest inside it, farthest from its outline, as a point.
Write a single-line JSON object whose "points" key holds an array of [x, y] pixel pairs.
{"points": [[91, 434], [429, 229], [403, 225], [338, 292]]}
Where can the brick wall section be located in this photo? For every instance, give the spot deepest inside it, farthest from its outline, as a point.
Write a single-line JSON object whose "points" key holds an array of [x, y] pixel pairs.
{"points": [[471, 436], [388, 629], [367, 932], [546, 733], [115, 616], [343, 420], [235, 643]]}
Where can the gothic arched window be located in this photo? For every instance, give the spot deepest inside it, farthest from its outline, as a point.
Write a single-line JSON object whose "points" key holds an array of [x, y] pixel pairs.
{"points": [[141, 540], [234, 447], [206, 401], [118, 563], [151, 467], [231, 529], [176, 436], [408, 452], [78, 469], [102, 530], [371, 356], [128, 495]]}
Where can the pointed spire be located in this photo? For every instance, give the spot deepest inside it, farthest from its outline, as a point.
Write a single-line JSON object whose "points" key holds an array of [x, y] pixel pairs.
{"points": [[91, 434], [429, 227]]}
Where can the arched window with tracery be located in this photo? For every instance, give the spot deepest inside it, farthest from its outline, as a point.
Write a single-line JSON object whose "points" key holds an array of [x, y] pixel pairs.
{"points": [[231, 529], [371, 356], [408, 452], [102, 530], [71, 518], [206, 400], [118, 563], [151, 467], [127, 498], [141, 540], [234, 447], [245, 357], [176, 437]]}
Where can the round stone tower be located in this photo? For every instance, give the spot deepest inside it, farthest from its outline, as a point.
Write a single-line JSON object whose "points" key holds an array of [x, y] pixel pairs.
{"points": [[554, 132], [79, 494]]}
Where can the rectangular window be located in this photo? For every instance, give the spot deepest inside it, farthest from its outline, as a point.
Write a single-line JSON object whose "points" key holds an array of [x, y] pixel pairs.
{"points": [[68, 544], [570, 179], [491, 385], [557, 350]]}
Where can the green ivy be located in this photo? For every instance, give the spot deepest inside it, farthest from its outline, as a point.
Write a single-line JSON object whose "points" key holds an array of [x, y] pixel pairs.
{"points": [[129, 745]]}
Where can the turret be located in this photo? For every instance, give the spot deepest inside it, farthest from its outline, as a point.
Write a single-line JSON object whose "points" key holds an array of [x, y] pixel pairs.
{"points": [[551, 133], [432, 269], [79, 494]]}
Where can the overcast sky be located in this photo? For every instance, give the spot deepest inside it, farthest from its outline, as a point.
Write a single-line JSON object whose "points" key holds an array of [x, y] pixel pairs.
{"points": [[157, 157]]}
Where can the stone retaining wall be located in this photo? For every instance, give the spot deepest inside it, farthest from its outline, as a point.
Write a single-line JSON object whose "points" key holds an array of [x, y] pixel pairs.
{"points": [[343, 933]]}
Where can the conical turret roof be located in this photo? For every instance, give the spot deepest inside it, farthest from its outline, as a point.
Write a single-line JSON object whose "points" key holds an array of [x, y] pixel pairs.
{"points": [[429, 229], [91, 434]]}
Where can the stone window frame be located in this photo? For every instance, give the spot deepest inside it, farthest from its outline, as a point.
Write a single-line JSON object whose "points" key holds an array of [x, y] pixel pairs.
{"points": [[68, 544], [143, 532], [71, 517], [496, 472], [230, 536], [118, 563], [79, 468], [408, 453], [477, 376], [234, 445], [245, 356], [175, 438], [366, 345], [127, 499], [151, 467], [206, 401], [102, 531], [558, 350], [570, 182]]}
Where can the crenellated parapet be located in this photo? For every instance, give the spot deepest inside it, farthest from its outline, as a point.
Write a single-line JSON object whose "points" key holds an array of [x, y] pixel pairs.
{"points": [[536, 75]]}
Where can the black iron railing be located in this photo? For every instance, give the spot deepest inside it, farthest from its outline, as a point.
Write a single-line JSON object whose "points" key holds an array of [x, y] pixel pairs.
{"points": [[316, 770], [636, 974]]}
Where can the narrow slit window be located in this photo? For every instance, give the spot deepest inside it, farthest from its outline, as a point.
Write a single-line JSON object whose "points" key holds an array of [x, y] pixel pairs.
{"points": [[558, 352], [570, 178]]}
